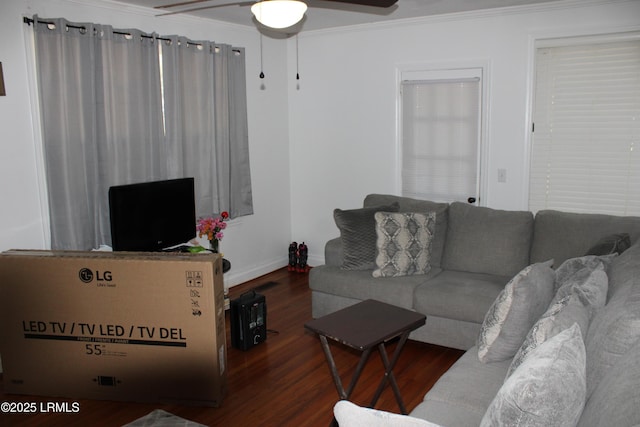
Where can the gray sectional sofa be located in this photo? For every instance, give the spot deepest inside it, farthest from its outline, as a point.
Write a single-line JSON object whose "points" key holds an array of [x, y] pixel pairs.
{"points": [[478, 257], [475, 252]]}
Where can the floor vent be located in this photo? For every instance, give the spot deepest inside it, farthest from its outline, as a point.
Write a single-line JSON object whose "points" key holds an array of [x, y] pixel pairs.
{"points": [[265, 286]]}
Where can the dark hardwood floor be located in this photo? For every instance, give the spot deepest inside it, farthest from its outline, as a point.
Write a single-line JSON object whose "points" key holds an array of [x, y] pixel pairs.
{"points": [[284, 381]]}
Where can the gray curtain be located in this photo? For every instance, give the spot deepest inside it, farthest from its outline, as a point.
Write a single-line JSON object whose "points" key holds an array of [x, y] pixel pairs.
{"points": [[206, 125], [232, 128], [104, 122]]}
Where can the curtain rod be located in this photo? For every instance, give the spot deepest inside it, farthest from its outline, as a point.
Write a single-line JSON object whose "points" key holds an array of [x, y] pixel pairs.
{"points": [[30, 21]]}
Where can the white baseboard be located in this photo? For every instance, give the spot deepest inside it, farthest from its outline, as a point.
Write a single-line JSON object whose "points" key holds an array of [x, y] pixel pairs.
{"points": [[238, 275], [315, 260]]}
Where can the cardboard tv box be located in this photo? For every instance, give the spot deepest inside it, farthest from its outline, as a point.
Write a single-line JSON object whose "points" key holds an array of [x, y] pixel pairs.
{"points": [[113, 325]]}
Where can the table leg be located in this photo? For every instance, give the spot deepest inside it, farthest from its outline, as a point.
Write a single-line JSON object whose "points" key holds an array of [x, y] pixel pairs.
{"points": [[388, 375], [344, 395]]}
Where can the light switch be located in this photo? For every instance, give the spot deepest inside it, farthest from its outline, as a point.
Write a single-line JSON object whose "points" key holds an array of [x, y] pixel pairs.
{"points": [[502, 175]]}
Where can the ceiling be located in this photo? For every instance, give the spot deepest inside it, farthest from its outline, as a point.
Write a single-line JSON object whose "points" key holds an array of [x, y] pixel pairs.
{"points": [[327, 14]]}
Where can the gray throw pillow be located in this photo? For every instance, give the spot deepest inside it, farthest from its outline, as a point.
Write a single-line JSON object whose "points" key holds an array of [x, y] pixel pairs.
{"points": [[612, 244], [518, 306], [548, 389], [559, 316], [404, 243], [358, 235]]}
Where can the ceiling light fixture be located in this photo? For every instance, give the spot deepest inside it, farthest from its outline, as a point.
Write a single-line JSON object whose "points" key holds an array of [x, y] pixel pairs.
{"points": [[279, 13]]}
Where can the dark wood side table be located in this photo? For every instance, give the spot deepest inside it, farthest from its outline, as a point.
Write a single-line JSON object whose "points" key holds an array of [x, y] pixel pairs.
{"points": [[364, 326]]}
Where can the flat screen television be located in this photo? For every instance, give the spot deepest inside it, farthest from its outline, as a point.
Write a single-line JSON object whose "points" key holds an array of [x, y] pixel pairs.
{"points": [[152, 216]]}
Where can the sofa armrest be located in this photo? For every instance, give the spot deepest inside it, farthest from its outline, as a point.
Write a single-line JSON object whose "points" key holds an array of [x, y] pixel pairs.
{"points": [[333, 254]]}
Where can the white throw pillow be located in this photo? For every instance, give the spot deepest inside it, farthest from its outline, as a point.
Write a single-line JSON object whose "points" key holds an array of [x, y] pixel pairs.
{"points": [[350, 415]]}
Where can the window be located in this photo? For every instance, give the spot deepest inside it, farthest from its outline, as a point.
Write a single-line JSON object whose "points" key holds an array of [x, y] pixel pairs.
{"points": [[587, 127], [114, 112], [441, 122]]}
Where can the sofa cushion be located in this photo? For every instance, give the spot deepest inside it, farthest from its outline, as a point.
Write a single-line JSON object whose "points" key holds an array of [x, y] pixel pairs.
{"points": [[484, 240], [360, 285], [559, 316], [564, 235], [613, 331], [358, 235], [459, 295], [536, 393], [611, 244], [408, 204], [518, 306], [461, 396], [615, 400], [404, 243], [350, 415]]}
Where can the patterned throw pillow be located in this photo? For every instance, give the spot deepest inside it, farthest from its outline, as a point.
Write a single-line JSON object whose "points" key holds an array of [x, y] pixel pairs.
{"points": [[518, 306], [548, 389], [590, 285], [404, 243], [560, 316], [577, 298], [570, 270]]}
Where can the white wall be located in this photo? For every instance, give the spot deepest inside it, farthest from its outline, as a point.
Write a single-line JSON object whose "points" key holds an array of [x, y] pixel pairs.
{"points": [[343, 115], [324, 141], [255, 244]]}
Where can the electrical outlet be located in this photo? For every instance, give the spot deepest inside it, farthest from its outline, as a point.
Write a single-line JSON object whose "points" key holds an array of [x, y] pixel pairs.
{"points": [[502, 175]]}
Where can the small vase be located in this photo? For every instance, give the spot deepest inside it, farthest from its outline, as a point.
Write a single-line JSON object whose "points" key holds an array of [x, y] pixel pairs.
{"points": [[213, 243]]}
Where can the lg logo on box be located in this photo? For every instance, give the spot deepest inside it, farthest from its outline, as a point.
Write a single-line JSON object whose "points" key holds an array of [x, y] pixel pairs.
{"points": [[86, 275]]}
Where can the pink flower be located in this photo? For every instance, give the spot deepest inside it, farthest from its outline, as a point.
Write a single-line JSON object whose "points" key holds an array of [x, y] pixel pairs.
{"points": [[212, 227]]}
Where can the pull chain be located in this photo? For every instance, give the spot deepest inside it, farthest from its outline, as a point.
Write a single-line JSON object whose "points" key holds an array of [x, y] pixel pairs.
{"points": [[261, 65], [297, 60]]}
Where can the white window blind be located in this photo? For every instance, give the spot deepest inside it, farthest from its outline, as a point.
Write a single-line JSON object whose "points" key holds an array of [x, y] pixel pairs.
{"points": [[440, 139], [587, 129]]}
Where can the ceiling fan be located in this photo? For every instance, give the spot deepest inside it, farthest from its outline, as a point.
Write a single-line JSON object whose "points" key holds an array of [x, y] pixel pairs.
{"points": [[274, 13]]}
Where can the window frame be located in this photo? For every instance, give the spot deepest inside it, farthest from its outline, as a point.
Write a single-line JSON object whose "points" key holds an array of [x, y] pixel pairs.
{"points": [[560, 40], [449, 71]]}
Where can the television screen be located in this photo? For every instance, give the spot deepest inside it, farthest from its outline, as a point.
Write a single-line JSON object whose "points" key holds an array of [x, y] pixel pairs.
{"points": [[152, 216]]}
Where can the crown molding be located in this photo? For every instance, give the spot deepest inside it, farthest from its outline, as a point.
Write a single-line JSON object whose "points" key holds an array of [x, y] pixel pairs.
{"points": [[146, 12], [461, 16]]}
